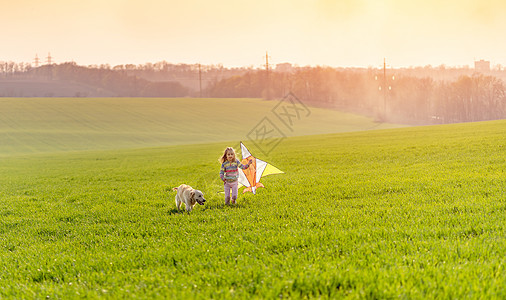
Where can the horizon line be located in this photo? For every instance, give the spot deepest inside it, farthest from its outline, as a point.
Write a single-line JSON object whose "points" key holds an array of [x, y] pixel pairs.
{"points": [[262, 67]]}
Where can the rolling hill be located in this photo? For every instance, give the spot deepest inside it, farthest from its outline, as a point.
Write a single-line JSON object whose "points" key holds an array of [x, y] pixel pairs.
{"points": [[42, 125]]}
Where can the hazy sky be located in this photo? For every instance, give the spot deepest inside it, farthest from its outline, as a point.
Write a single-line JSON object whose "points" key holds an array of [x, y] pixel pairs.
{"points": [[341, 33]]}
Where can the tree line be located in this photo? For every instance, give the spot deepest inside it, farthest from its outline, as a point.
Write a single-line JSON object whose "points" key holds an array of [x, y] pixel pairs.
{"points": [[415, 95], [105, 80], [401, 98]]}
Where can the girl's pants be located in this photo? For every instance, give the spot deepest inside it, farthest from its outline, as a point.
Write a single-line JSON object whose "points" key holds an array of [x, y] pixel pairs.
{"points": [[233, 186]]}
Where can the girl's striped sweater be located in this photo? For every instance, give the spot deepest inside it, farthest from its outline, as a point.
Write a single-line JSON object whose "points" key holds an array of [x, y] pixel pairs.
{"points": [[229, 170]]}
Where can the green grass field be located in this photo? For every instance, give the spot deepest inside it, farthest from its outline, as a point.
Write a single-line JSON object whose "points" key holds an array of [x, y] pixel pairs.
{"points": [[410, 213], [43, 125]]}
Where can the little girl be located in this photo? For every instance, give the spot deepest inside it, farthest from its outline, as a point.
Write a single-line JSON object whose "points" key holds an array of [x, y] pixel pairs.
{"points": [[229, 173]]}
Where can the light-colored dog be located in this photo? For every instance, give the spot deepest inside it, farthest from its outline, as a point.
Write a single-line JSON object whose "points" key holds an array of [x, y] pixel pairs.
{"points": [[189, 196]]}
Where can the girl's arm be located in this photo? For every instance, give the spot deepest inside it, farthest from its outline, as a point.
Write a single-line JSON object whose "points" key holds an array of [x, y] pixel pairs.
{"points": [[240, 165], [222, 172]]}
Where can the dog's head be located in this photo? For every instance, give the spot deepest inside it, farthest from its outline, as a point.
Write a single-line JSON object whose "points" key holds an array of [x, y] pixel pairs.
{"points": [[198, 196]]}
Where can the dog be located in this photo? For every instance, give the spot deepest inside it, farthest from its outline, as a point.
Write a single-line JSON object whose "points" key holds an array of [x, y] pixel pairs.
{"points": [[189, 196]]}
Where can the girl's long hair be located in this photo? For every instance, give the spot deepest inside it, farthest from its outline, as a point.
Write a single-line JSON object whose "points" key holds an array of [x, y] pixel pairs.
{"points": [[223, 158]]}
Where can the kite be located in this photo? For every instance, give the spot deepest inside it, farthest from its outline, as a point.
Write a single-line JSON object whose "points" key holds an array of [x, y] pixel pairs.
{"points": [[250, 177]]}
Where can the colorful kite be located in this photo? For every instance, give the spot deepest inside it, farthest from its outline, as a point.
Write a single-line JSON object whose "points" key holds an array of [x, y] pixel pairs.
{"points": [[250, 177]]}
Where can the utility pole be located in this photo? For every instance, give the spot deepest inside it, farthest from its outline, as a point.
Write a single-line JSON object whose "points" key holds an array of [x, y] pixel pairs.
{"points": [[267, 75], [200, 81], [384, 88], [267, 62], [49, 62], [36, 61], [49, 69]]}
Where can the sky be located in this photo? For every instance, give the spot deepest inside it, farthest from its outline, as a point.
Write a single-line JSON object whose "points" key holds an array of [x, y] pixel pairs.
{"points": [[239, 33]]}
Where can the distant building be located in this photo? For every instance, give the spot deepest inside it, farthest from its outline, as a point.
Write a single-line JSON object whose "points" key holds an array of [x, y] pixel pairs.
{"points": [[284, 67], [482, 66]]}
